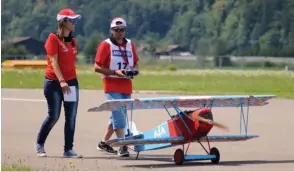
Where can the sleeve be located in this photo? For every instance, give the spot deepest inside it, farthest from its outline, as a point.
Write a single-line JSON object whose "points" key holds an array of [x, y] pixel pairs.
{"points": [[136, 58], [102, 54], [51, 45]]}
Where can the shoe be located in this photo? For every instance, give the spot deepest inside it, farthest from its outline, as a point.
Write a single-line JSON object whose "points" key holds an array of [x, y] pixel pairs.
{"points": [[40, 150], [105, 147], [123, 151], [71, 154]]}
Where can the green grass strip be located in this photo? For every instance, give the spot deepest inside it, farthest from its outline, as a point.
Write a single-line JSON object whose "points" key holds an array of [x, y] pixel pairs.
{"points": [[209, 82]]}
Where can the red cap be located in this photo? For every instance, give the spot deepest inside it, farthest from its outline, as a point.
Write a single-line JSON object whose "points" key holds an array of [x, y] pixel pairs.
{"points": [[67, 13]]}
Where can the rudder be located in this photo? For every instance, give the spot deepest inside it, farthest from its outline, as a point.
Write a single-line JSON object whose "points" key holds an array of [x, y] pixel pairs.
{"points": [[132, 129]]}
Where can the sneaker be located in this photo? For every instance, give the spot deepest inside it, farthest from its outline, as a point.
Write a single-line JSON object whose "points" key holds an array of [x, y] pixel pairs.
{"points": [[40, 150], [105, 147], [71, 154], [123, 151]]}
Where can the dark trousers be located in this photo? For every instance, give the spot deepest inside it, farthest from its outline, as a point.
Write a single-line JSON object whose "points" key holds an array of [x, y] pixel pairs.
{"points": [[54, 96]]}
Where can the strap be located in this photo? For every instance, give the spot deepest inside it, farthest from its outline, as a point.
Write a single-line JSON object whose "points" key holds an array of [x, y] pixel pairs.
{"points": [[124, 55]]}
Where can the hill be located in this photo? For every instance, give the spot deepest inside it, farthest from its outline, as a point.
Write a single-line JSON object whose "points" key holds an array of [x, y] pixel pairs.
{"points": [[215, 27]]}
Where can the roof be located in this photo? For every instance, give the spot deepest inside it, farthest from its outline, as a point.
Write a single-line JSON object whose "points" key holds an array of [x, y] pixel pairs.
{"points": [[16, 39], [168, 48], [171, 47]]}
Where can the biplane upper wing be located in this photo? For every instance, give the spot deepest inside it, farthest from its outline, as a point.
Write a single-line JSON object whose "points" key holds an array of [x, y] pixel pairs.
{"points": [[228, 138], [184, 101], [172, 140]]}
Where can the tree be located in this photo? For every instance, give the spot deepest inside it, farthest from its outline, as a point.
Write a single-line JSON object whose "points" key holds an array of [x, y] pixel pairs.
{"points": [[247, 27], [91, 46], [202, 51]]}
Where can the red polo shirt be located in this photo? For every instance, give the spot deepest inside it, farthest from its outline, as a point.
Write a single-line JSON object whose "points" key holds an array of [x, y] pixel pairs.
{"points": [[66, 57], [119, 85]]}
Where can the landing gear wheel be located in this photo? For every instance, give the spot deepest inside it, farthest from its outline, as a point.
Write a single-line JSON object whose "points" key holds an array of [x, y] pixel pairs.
{"points": [[214, 151], [179, 157]]}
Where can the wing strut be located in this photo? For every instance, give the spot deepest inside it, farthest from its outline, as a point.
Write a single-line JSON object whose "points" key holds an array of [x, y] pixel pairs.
{"points": [[242, 116], [180, 113], [173, 121]]}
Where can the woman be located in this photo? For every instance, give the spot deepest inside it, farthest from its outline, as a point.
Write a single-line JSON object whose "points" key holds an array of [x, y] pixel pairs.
{"points": [[61, 82]]}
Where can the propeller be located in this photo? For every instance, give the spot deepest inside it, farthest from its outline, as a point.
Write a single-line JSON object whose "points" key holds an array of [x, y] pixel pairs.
{"points": [[208, 121], [216, 124]]}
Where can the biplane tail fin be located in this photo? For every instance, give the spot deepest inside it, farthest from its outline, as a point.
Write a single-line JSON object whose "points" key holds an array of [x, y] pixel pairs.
{"points": [[132, 129]]}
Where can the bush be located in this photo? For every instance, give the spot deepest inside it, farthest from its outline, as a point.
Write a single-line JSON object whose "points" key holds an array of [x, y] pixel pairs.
{"points": [[171, 67], [253, 64], [159, 68]]}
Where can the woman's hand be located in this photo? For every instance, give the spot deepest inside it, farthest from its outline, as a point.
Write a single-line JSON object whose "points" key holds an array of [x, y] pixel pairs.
{"points": [[64, 86]]}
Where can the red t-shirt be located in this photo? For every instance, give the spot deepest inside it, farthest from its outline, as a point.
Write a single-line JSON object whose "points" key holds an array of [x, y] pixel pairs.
{"points": [[119, 85], [66, 57]]}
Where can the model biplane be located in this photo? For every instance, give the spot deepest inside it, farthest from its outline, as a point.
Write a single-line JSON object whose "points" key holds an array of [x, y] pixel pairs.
{"points": [[186, 126]]}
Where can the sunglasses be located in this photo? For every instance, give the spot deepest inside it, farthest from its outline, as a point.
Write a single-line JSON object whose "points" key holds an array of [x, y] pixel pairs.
{"points": [[119, 29], [71, 20]]}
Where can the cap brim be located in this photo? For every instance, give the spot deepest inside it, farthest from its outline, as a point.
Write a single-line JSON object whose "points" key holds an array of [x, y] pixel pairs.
{"points": [[75, 17], [119, 26], [60, 17]]}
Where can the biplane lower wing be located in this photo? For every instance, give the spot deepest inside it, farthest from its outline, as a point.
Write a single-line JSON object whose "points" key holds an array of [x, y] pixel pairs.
{"points": [[184, 101], [179, 140], [228, 138], [136, 137], [172, 140]]}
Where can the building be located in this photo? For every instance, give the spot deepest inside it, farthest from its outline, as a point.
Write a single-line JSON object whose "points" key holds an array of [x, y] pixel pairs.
{"points": [[33, 46], [175, 52]]}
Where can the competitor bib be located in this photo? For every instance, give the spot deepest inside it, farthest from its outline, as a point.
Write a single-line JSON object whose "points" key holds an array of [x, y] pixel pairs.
{"points": [[118, 55]]}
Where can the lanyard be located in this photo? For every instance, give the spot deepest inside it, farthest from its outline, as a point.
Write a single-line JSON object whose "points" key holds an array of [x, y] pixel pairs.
{"points": [[124, 55]]}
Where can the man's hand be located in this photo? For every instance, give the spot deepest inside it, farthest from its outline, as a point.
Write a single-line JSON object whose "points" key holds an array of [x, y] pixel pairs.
{"points": [[120, 73]]}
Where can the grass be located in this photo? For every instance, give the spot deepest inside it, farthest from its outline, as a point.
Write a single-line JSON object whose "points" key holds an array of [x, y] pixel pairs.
{"points": [[280, 83], [19, 166], [15, 167]]}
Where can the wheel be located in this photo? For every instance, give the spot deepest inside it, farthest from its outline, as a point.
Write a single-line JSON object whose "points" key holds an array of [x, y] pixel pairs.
{"points": [[179, 157], [214, 151]]}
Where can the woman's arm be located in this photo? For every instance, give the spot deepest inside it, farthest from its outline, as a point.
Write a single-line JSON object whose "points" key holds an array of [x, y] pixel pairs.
{"points": [[55, 65], [64, 86]]}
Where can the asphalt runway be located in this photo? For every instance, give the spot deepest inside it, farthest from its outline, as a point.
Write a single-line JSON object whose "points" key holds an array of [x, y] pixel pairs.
{"points": [[273, 150]]}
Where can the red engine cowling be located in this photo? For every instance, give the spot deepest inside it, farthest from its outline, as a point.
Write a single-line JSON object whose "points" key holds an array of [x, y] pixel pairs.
{"points": [[197, 128], [203, 128]]}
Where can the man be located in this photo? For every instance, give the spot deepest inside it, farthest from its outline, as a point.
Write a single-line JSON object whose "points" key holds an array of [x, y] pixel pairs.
{"points": [[114, 56]]}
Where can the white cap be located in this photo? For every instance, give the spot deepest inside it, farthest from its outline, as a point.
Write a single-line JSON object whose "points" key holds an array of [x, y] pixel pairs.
{"points": [[118, 22]]}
